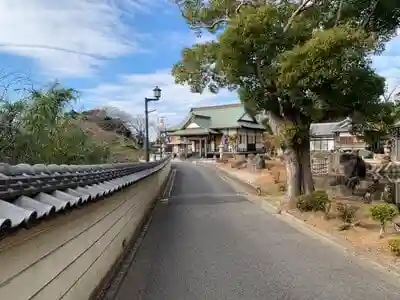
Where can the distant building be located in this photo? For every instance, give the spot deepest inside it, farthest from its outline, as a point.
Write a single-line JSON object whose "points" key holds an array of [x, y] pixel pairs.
{"points": [[334, 135], [208, 128]]}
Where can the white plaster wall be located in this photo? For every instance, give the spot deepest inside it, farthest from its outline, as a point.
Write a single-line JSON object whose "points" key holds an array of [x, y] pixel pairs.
{"points": [[345, 134], [243, 145], [67, 257], [193, 125], [331, 145]]}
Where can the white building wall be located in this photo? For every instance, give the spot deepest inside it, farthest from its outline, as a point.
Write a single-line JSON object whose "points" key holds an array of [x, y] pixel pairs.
{"points": [[74, 253], [193, 125], [242, 140], [324, 144], [331, 145], [345, 134]]}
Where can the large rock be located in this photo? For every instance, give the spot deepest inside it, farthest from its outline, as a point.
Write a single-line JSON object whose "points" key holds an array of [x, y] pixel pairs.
{"points": [[353, 166], [353, 170], [239, 164], [250, 161], [240, 157], [259, 162]]}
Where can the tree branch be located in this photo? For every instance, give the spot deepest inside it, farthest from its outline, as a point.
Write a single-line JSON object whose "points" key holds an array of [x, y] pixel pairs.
{"points": [[302, 7], [211, 26], [373, 7], [257, 67], [339, 13], [217, 22], [388, 97]]}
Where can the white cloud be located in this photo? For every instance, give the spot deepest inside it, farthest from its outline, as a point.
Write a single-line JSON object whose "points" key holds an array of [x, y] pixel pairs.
{"points": [[69, 37], [129, 92]]}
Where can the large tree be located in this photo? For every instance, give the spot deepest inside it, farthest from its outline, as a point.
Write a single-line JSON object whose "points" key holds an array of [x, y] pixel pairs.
{"points": [[298, 61]]}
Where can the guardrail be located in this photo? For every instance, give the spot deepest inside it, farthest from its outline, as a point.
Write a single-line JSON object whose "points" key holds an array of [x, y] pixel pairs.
{"points": [[32, 192]]}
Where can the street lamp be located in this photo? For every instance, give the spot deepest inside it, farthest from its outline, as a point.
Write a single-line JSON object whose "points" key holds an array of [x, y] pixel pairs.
{"points": [[156, 97]]}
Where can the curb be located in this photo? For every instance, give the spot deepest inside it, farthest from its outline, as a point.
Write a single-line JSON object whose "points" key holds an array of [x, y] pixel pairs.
{"points": [[249, 183], [315, 232]]}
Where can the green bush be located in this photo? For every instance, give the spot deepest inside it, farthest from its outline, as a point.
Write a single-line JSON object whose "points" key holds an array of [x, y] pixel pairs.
{"points": [[383, 213], [316, 201], [394, 246]]}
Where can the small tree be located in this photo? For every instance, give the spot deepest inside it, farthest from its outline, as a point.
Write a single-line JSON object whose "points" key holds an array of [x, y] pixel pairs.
{"points": [[383, 213], [233, 140], [271, 143], [347, 213]]}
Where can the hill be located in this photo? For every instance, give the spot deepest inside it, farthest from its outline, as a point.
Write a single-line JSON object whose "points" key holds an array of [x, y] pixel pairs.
{"points": [[110, 132]]}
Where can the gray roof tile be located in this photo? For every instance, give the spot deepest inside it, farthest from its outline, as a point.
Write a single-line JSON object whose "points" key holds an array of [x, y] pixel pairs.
{"points": [[329, 128]]}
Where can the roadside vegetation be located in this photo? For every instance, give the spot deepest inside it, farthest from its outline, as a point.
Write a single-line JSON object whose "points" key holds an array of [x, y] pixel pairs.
{"points": [[371, 228], [298, 62], [41, 128]]}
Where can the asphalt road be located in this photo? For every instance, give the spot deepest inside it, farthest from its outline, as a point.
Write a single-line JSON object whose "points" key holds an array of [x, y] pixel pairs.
{"points": [[210, 244]]}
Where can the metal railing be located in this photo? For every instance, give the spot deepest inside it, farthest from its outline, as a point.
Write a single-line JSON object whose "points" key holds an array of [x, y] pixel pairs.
{"points": [[32, 192]]}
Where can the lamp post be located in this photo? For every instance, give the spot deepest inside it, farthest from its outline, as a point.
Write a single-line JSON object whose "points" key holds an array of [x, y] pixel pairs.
{"points": [[156, 97]]}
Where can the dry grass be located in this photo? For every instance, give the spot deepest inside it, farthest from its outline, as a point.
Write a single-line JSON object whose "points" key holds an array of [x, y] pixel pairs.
{"points": [[122, 148], [363, 238]]}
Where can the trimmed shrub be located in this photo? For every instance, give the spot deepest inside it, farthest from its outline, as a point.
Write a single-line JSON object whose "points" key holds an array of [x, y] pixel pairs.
{"points": [[316, 201], [383, 213], [394, 246]]}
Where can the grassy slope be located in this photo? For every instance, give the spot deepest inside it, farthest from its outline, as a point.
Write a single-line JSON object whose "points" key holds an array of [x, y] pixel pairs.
{"points": [[122, 148]]}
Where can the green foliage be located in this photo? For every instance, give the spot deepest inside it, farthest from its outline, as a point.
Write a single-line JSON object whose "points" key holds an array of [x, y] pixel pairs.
{"points": [[37, 130], [394, 246], [233, 139], [383, 213], [316, 201], [271, 142], [375, 124], [302, 65]]}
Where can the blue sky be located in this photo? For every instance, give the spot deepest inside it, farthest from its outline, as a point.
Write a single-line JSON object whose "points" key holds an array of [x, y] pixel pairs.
{"points": [[114, 52]]}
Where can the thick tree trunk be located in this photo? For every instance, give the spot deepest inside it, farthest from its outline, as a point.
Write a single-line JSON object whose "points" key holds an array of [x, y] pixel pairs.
{"points": [[307, 183], [293, 180], [298, 167], [293, 174]]}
